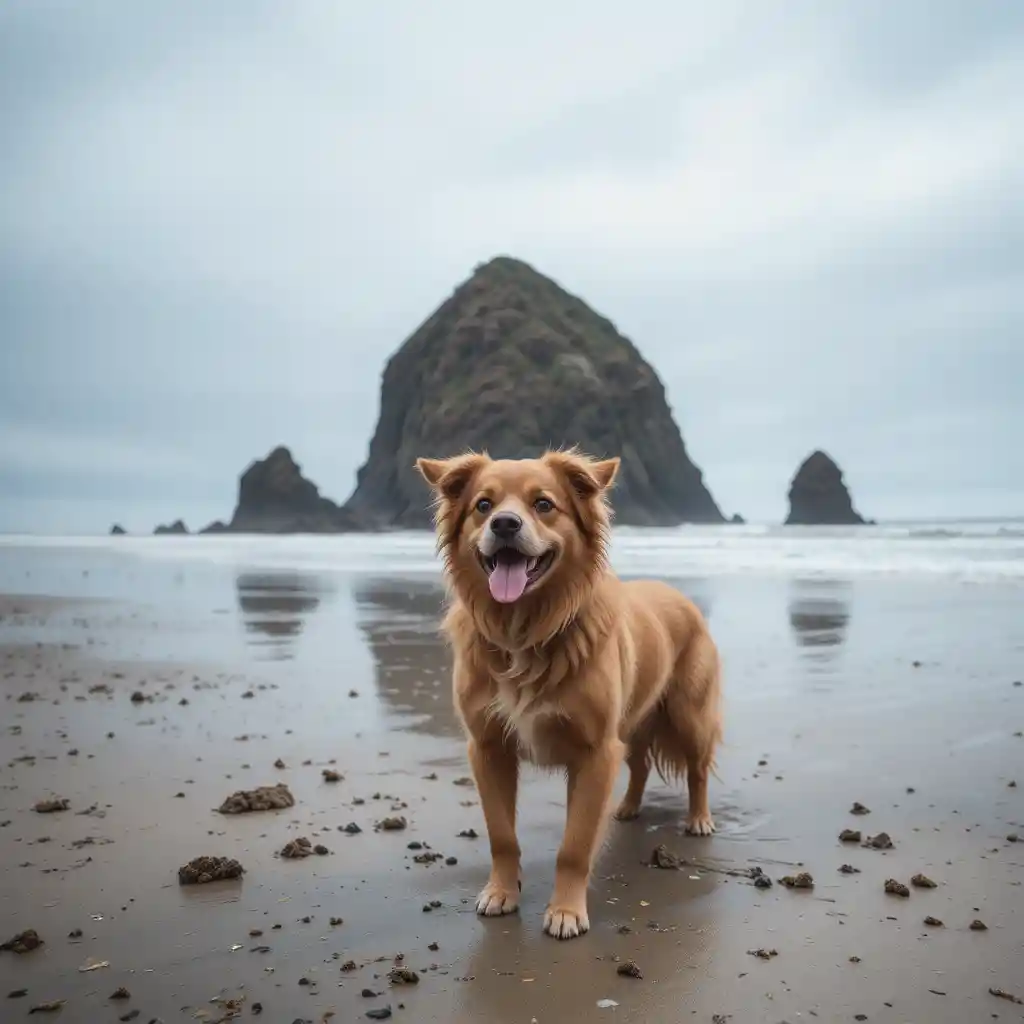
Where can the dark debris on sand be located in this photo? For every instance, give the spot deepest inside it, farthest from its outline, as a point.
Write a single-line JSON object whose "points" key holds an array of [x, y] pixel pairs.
{"points": [[803, 880], [264, 798], [403, 976], [23, 942], [296, 849], [1001, 993], [895, 888], [53, 1006], [662, 857], [920, 881], [52, 806], [201, 870], [880, 842], [629, 969]]}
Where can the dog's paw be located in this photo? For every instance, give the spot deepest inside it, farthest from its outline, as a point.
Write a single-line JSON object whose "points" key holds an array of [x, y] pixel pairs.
{"points": [[627, 812], [563, 923], [700, 825], [495, 900]]}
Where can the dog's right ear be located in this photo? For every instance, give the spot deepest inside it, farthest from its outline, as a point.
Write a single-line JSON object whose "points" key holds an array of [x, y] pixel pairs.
{"points": [[449, 477]]}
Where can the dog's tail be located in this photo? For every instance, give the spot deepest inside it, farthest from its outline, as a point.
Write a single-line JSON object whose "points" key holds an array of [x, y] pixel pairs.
{"points": [[688, 721]]}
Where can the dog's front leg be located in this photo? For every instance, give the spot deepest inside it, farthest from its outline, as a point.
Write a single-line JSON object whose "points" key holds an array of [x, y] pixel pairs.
{"points": [[589, 791], [495, 764]]}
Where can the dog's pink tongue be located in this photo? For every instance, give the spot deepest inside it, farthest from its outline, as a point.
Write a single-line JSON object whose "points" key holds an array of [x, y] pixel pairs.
{"points": [[508, 581]]}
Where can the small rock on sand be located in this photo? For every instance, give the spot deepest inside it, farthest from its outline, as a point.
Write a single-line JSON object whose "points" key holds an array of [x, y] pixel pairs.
{"points": [[403, 976], [629, 969], [52, 806], [978, 926], [54, 1006], [895, 888], [395, 824], [933, 922], [859, 808], [1001, 993], [880, 842], [330, 775], [920, 881], [201, 870], [848, 869], [379, 1013], [850, 835], [23, 942], [120, 993], [662, 857], [803, 880], [296, 849], [763, 954], [265, 798]]}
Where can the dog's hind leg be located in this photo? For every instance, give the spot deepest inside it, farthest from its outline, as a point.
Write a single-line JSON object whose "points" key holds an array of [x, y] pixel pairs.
{"points": [[694, 727], [638, 760]]}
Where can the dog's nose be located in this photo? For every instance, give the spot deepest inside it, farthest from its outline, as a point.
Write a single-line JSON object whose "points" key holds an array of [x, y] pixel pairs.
{"points": [[506, 525]]}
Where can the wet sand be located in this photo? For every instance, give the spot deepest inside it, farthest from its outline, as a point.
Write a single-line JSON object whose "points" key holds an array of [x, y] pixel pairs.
{"points": [[899, 695]]}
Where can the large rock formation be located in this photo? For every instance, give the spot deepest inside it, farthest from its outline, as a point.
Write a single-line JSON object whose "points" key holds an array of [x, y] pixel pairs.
{"points": [[818, 496], [274, 497], [513, 364]]}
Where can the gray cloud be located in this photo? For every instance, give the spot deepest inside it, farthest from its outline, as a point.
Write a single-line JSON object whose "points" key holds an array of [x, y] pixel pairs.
{"points": [[216, 223]]}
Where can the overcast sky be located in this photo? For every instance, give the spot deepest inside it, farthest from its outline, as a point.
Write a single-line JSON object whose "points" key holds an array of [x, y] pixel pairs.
{"points": [[218, 220]]}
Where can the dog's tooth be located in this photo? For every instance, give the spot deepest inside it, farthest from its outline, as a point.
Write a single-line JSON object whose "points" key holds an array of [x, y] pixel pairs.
{"points": [[531, 564]]}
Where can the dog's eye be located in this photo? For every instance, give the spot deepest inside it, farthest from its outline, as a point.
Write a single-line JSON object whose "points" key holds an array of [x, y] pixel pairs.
{"points": [[484, 505], [544, 505]]}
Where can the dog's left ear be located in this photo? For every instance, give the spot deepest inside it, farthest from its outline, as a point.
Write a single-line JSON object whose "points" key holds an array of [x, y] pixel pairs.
{"points": [[587, 477], [449, 477]]}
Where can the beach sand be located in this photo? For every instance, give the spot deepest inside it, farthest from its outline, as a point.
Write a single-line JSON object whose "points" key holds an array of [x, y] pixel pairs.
{"points": [[898, 694]]}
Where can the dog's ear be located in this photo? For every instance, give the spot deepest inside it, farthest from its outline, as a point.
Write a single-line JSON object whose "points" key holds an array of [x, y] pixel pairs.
{"points": [[587, 477], [449, 477]]}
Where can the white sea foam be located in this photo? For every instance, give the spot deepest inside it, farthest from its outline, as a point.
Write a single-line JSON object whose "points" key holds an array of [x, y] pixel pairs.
{"points": [[971, 551]]}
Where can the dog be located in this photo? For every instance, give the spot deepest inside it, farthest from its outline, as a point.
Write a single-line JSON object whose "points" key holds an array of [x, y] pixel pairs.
{"points": [[558, 662]]}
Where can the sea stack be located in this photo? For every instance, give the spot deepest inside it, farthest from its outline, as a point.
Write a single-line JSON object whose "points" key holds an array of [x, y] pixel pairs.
{"points": [[513, 364], [274, 497], [177, 529], [818, 495]]}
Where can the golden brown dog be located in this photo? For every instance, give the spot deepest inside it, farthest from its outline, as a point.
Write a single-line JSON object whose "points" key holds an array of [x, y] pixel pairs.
{"points": [[558, 662]]}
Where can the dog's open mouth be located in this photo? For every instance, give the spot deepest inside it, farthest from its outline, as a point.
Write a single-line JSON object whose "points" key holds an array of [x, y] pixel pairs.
{"points": [[510, 572]]}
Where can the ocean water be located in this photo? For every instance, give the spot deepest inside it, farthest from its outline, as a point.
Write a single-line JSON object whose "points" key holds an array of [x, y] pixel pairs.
{"points": [[968, 551]]}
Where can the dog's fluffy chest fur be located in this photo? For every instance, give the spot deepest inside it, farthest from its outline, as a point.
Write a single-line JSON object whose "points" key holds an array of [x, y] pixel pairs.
{"points": [[540, 727]]}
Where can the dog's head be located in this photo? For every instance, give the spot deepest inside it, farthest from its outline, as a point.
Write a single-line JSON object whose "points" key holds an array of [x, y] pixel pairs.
{"points": [[510, 529]]}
